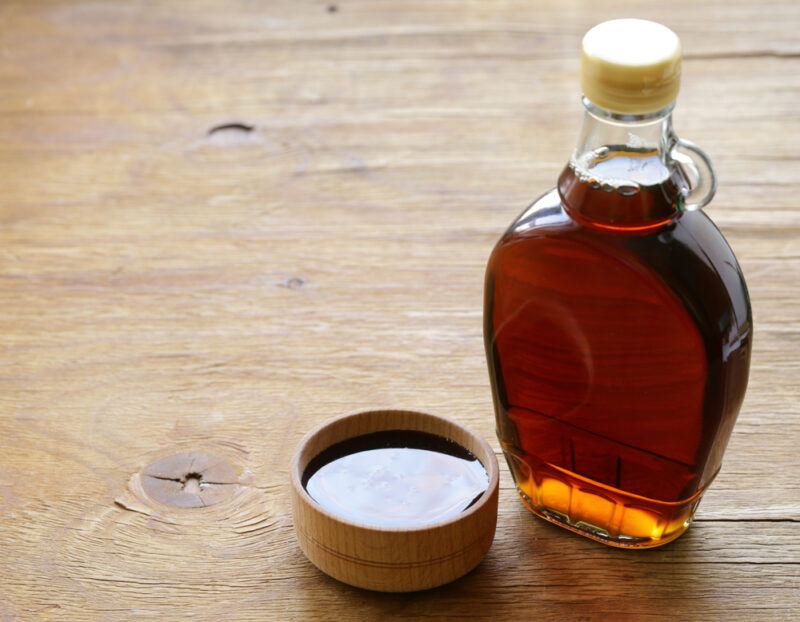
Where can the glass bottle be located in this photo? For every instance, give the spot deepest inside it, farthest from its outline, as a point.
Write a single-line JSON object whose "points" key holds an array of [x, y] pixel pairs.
{"points": [[617, 321]]}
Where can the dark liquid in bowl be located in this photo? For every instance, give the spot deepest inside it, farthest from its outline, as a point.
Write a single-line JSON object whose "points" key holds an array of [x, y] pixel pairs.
{"points": [[396, 478]]}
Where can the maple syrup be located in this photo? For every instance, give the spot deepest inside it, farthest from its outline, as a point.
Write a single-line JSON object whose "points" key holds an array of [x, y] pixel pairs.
{"points": [[396, 479], [618, 333]]}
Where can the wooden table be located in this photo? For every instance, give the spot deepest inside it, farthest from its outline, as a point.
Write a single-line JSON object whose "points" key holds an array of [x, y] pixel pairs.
{"points": [[224, 221]]}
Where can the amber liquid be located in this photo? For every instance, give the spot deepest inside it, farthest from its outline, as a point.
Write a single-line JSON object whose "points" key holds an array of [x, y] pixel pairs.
{"points": [[618, 334]]}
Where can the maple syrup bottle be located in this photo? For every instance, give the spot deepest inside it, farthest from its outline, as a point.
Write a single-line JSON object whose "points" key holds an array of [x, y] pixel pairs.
{"points": [[617, 321]]}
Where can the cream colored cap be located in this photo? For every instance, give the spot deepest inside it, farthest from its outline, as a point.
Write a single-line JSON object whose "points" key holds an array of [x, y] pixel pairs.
{"points": [[631, 66]]}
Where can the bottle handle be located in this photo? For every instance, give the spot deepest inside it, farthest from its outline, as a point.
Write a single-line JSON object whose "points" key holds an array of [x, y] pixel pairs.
{"points": [[697, 171]]}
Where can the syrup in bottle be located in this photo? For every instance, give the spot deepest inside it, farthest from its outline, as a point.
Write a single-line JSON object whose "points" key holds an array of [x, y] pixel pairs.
{"points": [[617, 321]]}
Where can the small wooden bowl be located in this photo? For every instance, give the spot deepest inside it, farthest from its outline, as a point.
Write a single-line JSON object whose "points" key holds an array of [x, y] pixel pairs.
{"points": [[387, 559]]}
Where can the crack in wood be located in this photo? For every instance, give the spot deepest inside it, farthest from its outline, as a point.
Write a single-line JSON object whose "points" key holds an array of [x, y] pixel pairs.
{"points": [[741, 54], [231, 127]]}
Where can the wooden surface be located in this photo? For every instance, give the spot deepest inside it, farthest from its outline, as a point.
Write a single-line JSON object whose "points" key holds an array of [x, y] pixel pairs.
{"points": [[166, 288]]}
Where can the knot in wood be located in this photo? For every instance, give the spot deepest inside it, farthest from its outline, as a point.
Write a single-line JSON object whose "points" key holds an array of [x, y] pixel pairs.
{"points": [[190, 479]]}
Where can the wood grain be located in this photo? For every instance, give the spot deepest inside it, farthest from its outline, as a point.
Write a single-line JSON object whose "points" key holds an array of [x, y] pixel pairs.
{"points": [[169, 284]]}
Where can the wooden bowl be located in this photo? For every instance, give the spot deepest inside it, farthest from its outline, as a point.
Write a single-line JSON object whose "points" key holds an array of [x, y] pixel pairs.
{"points": [[390, 559]]}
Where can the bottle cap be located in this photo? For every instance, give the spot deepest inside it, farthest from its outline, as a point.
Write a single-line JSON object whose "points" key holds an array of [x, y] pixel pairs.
{"points": [[631, 66]]}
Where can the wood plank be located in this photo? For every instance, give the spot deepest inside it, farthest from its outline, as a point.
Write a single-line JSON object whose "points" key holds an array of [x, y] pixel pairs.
{"points": [[168, 287]]}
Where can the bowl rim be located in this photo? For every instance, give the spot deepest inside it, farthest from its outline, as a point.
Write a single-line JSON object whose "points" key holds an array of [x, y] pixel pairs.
{"points": [[492, 470]]}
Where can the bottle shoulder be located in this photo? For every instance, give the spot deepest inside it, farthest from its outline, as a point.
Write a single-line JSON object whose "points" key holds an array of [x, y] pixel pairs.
{"points": [[689, 257], [548, 219], [545, 212]]}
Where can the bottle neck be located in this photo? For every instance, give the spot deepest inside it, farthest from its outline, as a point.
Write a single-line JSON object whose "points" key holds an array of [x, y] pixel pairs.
{"points": [[604, 131], [621, 174]]}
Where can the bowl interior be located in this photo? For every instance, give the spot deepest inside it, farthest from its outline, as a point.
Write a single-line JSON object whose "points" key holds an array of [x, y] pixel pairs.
{"points": [[350, 426]]}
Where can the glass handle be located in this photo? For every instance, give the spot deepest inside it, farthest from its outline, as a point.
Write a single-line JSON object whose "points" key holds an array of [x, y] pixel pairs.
{"points": [[698, 173]]}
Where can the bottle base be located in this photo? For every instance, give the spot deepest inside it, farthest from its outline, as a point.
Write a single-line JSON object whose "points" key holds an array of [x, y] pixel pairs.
{"points": [[602, 513]]}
